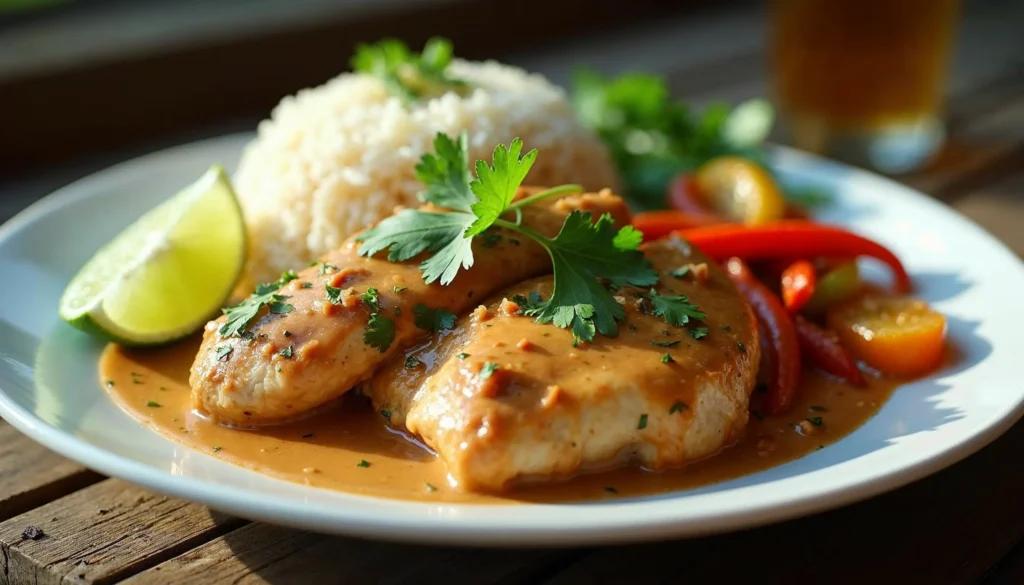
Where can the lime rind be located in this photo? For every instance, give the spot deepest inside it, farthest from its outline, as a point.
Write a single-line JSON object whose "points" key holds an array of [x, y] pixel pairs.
{"points": [[168, 273]]}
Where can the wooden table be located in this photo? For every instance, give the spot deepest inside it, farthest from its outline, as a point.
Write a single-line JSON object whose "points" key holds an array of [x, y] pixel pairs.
{"points": [[962, 525]]}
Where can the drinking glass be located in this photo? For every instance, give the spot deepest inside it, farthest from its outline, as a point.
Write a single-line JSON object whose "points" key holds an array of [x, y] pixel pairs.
{"points": [[863, 80]]}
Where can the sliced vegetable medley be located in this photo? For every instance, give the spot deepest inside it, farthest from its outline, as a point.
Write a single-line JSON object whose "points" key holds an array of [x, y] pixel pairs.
{"points": [[801, 279]]}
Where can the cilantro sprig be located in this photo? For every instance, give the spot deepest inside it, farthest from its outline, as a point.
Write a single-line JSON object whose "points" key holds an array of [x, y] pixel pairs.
{"points": [[472, 206], [586, 255], [406, 74]]}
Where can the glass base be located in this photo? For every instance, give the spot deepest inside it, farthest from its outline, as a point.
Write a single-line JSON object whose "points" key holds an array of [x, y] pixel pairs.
{"points": [[893, 148]]}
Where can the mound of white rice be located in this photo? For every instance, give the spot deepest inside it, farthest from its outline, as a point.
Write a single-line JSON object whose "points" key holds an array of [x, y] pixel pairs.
{"points": [[335, 158]]}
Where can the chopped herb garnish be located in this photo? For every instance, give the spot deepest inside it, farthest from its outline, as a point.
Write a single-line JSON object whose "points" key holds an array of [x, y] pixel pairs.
{"points": [[430, 487], [433, 319], [333, 294], [307, 285], [678, 407], [287, 352], [611, 490], [363, 463], [398, 289], [372, 299], [279, 308], [680, 272], [462, 355], [379, 333], [380, 330], [817, 408], [698, 332], [583, 252], [216, 449], [287, 333], [110, 383], [411, 363], [386, 414], [741, 347], [527, 303], [325, 268], [667, 358], [288, 276], [153, 404], [241, 315], [488, 369], [815, 420], [665, 343], [642, 423], [676, 309], [224, 352]]}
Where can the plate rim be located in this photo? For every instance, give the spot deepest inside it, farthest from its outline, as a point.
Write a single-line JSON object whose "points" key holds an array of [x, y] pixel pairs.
{"points": [[454, 529]]}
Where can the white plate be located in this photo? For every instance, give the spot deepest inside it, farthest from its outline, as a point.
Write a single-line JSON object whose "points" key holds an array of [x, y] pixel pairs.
{"points": [[49, 388]]}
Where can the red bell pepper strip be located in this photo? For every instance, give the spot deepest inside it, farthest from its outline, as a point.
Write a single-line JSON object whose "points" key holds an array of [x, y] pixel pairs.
{"points": [[791, 238], [658, 224], [822, 346], [798, 283], [782, 352]]}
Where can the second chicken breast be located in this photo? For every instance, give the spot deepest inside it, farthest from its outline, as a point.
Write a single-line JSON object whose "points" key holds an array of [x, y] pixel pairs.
{"points": [[504, 399]]}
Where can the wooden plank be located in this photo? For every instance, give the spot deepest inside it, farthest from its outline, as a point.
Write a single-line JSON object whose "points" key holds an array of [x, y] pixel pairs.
{"points": [[949, 528], [31, 475], [102, 534], [999, 207], [986, 136], [261, 553]]}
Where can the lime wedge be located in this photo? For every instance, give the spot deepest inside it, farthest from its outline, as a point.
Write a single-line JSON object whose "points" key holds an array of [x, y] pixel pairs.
{"points": [[166, 274]]}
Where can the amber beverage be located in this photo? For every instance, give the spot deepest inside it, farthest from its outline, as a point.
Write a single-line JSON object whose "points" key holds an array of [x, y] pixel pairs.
{"points": [[863, 80]]}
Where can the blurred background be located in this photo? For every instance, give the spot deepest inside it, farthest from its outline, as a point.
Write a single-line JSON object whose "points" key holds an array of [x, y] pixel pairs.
{"points": [[880, 83]]}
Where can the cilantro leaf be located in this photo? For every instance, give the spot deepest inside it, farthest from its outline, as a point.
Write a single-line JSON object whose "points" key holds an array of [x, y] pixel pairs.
{"points": [[445, 264], [433, 319], [240, 316], [581, 253], [496, 185], [410, 232], [526, 303], [406, 74], [445, 172], [333, 294], [628, 238], [382, 60], [372, 299], [676, 310], [379, 332], [487, 369], [698, 332]]}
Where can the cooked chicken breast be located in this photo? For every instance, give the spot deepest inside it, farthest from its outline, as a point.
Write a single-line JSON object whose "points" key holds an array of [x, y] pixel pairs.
{"points": [[290, 363], [504, 399]]}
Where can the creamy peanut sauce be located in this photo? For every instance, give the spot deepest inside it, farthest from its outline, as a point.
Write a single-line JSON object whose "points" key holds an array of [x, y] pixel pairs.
{"points": [[328, 449]]}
